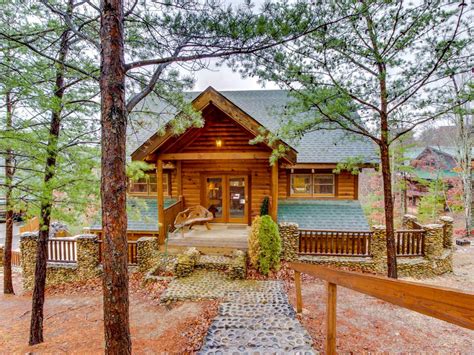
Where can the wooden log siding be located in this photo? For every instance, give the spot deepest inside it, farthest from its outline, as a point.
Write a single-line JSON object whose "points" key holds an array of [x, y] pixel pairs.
{"points": [[410, 242], [335, 243], [346, 184], [62, 250], [132, 252]]}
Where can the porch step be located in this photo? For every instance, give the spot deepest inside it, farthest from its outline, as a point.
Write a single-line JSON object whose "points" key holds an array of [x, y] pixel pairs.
{"points": [[258, 340], [256, 351], [262, 323], [256, 297], [233, 309], [213, 262]]}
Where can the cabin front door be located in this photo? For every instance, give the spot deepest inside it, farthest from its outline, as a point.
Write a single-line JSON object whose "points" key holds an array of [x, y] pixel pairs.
{"points": [[226, 196]]}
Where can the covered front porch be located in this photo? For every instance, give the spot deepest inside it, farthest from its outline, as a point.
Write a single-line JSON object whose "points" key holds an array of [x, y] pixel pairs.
{"points": [[221, 235]]}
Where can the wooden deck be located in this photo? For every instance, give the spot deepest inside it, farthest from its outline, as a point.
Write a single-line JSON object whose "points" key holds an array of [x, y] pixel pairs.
{"points": [[221, 237]]}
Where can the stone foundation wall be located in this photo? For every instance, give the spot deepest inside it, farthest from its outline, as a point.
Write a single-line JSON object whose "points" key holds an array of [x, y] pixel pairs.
{"points": [[238, 267], [447, 223], [409, 222], [86, 267], [437, 259], [290, 236], [186, 262], [147, 253]]}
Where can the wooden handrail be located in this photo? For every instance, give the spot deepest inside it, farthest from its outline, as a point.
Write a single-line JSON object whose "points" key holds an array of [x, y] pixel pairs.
{"points": [[451, 305]]}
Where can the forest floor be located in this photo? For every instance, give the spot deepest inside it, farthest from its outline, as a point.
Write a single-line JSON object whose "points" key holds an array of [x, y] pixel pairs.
{"points": [[366, 324], [74, 321], [73, 318]]}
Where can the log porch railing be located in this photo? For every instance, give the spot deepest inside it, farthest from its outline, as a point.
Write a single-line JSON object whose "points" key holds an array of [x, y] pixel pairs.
{"points": [[410, 242], [170, 214], [62, 250], [16, 258], [450, 305], [334, 243]]}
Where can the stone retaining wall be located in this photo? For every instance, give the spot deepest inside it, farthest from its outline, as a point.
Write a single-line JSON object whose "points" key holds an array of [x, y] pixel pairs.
{"points": [[437, 259], [86, 267], [147, 253], [289, 234]]}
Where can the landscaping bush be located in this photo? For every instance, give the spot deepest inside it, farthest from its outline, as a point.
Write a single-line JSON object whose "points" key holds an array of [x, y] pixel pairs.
{"points": [[264, 245], [264, 207], [253, 243]]}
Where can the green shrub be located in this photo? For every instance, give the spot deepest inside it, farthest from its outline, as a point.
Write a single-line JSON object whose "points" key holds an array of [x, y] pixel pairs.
{"points": [[264, 207], [264, 245], [253, 242]]}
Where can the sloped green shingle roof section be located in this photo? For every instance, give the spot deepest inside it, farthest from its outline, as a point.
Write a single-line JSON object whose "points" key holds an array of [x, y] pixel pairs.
{"points": [[340, 215], [142, 214], [267, 108]]}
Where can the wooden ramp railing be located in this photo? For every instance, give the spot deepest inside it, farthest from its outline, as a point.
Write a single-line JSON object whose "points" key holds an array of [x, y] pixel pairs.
{"points": [[450, 305]]}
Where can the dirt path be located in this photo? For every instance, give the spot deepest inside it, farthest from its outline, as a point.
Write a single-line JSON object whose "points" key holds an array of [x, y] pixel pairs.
{"points": [[73, 321], [366, 324]]}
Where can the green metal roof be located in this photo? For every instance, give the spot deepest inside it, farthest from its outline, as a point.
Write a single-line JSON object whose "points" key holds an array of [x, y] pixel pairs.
{"points": [[433, 175], [142, 214], [344, 215]]}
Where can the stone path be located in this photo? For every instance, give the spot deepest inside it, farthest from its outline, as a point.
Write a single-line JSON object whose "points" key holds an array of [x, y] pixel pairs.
{"points": [[203, 284], [257, 320]]}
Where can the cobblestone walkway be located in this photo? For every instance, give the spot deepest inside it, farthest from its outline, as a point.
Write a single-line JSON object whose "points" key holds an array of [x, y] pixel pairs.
{"points": [[257, 320], [204, 284]]}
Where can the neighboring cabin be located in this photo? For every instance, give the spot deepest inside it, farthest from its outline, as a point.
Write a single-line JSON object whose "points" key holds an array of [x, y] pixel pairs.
{"points": [[429, 163], [217, 167]]}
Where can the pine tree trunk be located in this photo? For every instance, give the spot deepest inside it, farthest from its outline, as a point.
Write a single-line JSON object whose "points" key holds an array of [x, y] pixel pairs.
{"points": [[388, 205], [7, 256], [114, 180], [36, 326]]}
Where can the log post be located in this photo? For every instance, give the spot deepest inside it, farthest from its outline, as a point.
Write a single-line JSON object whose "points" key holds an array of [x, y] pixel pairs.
{"points": [[331, 318], [299, 299], [161, 201], [179, 178], [274, 184]]}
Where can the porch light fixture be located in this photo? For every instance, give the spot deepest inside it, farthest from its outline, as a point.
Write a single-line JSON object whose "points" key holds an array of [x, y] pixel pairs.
{"points": [[218, 142]]}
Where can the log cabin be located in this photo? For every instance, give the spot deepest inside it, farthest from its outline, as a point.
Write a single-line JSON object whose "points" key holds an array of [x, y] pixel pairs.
{"points": [[219, 167], [429, 164]]}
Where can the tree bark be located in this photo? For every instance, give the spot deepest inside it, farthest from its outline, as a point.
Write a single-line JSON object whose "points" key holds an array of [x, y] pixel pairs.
{"points": [[113, 179], [9, 171], [36, 326], [388, 205], [464, 156]]}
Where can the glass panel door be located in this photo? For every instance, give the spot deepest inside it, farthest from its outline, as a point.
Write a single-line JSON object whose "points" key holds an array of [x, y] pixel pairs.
{"points": [[214, 190], [237, 198]]}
